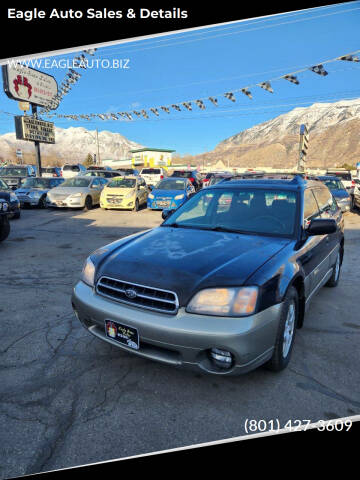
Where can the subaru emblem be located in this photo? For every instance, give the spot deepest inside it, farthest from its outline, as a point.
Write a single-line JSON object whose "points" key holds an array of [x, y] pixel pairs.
{"points": [[130, 293]]}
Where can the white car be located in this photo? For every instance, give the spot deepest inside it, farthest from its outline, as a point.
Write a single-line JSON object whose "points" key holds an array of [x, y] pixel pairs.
{"points": [[152, 176], [69, 171]]}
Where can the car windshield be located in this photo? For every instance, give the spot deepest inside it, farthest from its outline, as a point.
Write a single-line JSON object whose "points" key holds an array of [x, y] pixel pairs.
{"points": [[13, 172], [171, 184], [77, 182], [36, 183], [243, 210], [334, 184], [122, 183]]}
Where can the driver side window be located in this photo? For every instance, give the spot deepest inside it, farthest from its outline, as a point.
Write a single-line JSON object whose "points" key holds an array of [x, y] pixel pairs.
{"points": [[311, 209]]}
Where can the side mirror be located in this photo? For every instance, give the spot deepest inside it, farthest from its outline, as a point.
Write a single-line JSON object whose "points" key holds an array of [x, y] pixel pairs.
{"points": [[321, 226], [167, 213]]}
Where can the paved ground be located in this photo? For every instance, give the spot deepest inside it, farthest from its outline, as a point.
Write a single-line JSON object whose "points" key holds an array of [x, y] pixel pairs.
{"points": [[68, 399]]}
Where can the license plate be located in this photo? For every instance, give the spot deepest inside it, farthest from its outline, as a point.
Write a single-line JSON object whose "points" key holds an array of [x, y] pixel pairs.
{"points": [[123, 334], [60, 204], [163, 204]]}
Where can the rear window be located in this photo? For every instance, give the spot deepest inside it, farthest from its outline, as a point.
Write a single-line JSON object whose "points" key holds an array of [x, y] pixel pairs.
{"points": [[182, 174], [151, 171], [343, 175], [71, 168], [48, 170]]}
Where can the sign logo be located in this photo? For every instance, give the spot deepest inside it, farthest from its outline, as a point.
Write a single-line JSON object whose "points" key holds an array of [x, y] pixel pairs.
{"points": [[23, 83], [111, 329], [22, 86], [130, 293]]}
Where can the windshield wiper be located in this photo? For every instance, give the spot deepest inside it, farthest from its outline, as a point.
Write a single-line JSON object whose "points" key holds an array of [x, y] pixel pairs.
{"points": [[220, 228]]}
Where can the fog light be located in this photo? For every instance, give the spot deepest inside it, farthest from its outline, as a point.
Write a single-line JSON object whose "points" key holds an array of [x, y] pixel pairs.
{"points": [[221, 358]]}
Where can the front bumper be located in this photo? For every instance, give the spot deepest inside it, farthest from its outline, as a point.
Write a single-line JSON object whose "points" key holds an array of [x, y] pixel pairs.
{"points": [[123, 204], [155, 204], [67, 202], [345, 207], [184, 339]]}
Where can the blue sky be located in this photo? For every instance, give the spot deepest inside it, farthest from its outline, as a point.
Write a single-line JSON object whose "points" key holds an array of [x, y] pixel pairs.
{"points": [[209, 62]]}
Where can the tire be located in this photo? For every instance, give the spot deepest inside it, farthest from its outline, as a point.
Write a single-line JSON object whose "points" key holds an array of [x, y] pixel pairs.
{"points": [[286, 332], [4, 228], [353, 206], [136, 207], [88, 203], [17, 215], [42, 202], [334, 279]]}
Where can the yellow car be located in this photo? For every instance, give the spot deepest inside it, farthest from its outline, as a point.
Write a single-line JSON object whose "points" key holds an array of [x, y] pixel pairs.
{"points": [[125, 193]]}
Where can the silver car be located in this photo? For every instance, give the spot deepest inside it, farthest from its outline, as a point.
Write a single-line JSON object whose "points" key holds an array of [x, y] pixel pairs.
{"points": [[77, 192], [33, 190]]}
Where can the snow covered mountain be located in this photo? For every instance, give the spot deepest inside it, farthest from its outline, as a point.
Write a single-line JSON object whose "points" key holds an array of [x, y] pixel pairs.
{"points": [[72, 145], [333, 138]]}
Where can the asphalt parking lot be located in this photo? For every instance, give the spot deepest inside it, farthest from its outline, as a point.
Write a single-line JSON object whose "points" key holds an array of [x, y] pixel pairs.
{"points": [[69, 399]]}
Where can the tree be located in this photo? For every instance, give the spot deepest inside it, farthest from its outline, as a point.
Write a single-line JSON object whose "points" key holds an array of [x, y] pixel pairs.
{"points": [[348, 167], [88, 161]]}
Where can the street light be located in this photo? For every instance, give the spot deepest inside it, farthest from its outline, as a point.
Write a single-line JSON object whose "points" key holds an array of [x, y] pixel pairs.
{"points": [[97, 142]]}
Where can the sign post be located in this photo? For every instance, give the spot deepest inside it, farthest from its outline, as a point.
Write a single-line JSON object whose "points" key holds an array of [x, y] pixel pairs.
{"points": [[303, 147], [36, 88]]}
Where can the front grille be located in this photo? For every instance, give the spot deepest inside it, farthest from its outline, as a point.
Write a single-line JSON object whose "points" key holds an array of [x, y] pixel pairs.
{"points": [[59, 196], [146, 297], [114, 198]]}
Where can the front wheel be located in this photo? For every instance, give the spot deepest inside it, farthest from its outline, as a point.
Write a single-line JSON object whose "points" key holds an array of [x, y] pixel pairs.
{"points": [[88, 203], [4, 228], [136, 207], [42, 202], [352, 203], [286, 332], [334, 279]]}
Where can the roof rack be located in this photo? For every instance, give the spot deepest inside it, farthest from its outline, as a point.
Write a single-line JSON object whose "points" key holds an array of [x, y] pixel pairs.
{"points": [[273, 176]]}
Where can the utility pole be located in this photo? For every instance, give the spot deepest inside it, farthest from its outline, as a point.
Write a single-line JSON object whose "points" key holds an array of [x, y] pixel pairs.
{"points": [[37, 144], [98, 150]]}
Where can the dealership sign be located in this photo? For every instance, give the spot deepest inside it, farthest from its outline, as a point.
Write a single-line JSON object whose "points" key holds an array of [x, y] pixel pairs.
{"points": [[26, 84], [32, 129]]}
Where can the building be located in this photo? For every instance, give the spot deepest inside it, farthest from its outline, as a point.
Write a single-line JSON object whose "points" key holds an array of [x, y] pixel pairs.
{"points": [[151, 157]]}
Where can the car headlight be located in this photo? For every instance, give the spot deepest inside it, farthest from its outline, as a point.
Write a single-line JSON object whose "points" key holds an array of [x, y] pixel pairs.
{"points": [[224, 301], [178, 197], [88, 272], [4, 206], [151, 195], [130, 194]]}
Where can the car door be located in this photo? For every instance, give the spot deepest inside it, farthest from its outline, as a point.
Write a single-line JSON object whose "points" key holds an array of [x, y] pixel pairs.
{"points": [[314, 251], [356, 194], [329, 209]]}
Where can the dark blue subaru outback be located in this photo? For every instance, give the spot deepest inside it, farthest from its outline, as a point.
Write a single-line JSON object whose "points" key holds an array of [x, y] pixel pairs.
{"points": [[224, 282]]}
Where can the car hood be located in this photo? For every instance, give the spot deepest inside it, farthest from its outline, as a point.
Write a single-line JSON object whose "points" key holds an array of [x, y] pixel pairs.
{"points": [[118, 191], [30, 189], [5, 195], [167, 193], [187, 260], [69, 190]]}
